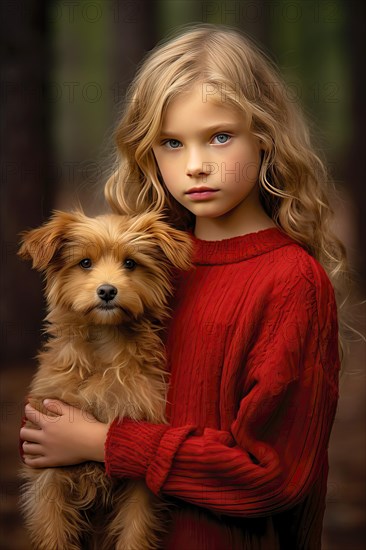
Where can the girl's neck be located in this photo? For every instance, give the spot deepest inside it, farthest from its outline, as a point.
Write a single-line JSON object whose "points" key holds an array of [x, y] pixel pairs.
{"points": [[215, 229]]}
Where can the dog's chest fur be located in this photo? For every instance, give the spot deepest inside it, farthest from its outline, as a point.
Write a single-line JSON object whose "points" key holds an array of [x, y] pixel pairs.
{"points": [[107, 371]]}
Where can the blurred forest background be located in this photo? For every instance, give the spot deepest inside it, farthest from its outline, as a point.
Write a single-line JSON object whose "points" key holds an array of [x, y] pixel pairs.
{"points": [[64, 75]]}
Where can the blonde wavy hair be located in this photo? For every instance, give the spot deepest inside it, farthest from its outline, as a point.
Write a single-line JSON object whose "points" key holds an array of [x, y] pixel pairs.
{"points": [[293, 180]]}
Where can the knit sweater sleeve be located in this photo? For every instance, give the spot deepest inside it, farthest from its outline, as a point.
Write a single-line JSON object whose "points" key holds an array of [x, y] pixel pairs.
{"points": [[272, 453]]}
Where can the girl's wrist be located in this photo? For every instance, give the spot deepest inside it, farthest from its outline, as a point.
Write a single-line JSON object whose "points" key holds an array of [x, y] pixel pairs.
{"points": [[97, 442]]}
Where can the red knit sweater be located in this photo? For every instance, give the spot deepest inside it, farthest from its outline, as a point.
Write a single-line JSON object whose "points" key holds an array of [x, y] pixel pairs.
{"points": [[253, 353]]}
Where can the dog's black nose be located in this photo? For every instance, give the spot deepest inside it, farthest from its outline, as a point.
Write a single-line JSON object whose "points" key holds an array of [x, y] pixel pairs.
{"points": [[107, 292]]}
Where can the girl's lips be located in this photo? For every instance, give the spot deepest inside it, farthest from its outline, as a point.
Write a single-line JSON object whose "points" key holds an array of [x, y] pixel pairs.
{"points": [[200, 189], [202, 194]]}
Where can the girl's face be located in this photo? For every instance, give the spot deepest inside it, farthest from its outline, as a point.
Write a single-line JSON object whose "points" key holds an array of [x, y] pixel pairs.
{"points": [[205, 144]]}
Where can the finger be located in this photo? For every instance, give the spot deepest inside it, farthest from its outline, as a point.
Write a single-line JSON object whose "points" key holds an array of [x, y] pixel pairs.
{"points": [[32, 414], [31, 435], [32, 450], [56, 406], [35, 462], [39, 419]]}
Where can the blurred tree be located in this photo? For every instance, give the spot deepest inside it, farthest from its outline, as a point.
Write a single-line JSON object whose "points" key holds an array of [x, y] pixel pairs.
{"points": [[96, 54], [354, 166], [26, 167]]}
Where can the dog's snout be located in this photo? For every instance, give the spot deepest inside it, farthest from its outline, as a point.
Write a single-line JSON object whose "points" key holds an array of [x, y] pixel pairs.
{"points": [[106, 292]]}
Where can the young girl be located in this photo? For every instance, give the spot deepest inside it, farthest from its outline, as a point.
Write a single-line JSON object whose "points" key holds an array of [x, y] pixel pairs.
{"points": [[210, 136]]}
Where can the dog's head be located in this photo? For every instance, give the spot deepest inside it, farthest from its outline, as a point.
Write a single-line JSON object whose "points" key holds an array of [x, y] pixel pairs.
{"points": [[110, 268]]}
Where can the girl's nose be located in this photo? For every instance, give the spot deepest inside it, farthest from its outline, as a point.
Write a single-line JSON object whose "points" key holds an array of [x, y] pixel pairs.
{"points": [[197, 165]]}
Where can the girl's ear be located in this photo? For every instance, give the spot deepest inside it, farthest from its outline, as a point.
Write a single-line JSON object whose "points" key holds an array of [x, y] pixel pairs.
{"points": [[42, 244]]}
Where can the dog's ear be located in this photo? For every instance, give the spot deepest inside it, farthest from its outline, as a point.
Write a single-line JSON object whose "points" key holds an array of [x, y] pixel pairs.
{"points": [[176, 245], [41, 244]]}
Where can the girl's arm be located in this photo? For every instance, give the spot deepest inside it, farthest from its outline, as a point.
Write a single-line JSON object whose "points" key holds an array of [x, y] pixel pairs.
{"points": [[275, 449]]}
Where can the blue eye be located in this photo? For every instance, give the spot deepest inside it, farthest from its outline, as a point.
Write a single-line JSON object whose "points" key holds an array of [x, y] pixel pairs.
{"points": [[174, 143], [86, 263], [222, 138]]}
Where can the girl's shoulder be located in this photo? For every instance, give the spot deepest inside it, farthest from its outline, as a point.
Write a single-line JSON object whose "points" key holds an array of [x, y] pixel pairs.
{"points": [[299, 275], [310, 268], [291, 275]]}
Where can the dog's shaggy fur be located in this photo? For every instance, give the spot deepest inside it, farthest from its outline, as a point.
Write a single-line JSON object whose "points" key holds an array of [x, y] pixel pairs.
{"points": [[104, 355]]}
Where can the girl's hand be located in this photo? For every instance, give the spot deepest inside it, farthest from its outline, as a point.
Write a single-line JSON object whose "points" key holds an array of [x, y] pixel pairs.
{"points": [[68, 436]]}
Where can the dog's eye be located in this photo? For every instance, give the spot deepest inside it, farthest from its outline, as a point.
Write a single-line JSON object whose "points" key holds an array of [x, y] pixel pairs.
{"points": [[130, 264], [86, 263]]}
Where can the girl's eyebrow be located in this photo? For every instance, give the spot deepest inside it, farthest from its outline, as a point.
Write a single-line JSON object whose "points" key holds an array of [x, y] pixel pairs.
{"points": [[208, 129]]}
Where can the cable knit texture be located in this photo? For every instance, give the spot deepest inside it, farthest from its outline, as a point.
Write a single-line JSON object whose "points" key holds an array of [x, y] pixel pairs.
{"points": [[252, 349]]}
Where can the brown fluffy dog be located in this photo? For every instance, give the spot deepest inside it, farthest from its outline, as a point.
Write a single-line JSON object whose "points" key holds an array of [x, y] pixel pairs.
{"points": [[108, 280]]}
